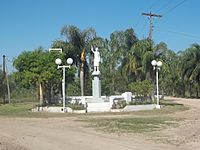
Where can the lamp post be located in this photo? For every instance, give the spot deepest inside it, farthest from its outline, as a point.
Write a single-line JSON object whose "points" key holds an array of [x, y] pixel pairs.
{"points": [[156, 66], [58, 62]]}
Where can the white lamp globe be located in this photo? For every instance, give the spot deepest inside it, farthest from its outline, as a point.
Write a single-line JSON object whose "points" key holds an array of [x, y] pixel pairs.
{"points": [[159, 63], [154, 63], [58, 61], [69, 61]]}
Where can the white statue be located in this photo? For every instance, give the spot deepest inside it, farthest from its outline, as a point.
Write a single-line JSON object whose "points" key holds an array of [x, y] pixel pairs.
{"points": [[96, 58]]}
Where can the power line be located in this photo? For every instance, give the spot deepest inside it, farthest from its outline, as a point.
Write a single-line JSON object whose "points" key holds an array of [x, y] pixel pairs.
{"points": [[171, 9], [161, 8], [147, 10], [182, 33], [164, 6], [150, 15], [174, 7], [153, 4], [164, 14]]}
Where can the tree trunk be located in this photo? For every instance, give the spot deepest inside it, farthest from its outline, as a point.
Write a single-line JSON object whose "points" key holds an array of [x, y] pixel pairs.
{"points": [[51, 94], [113, 85], [40, 93], [187, 92], [173, 92], [190, 90], [82, 79], [197, 91]]}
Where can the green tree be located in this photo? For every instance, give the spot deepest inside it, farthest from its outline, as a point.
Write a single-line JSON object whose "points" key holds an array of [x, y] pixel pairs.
{"points": [[137, 63], [191, 68], [77, 46], [114, 53], [142, 89], [38, 69], [170, 77]]}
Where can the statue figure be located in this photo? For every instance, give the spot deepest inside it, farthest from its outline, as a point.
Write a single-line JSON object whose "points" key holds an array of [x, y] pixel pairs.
{"points": [[96, 58]]}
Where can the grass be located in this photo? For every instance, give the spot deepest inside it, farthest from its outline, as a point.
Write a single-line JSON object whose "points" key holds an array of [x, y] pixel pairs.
{"points": [[16, 109], [131, 122], [24, 110], [140, 121]]}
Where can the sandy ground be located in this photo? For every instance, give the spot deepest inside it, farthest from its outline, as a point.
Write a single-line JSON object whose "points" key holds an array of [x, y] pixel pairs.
{"points": [[68, 134]]}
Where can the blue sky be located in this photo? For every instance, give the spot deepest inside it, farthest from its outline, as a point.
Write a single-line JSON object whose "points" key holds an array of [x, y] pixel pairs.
{"points": [[28, 24]]}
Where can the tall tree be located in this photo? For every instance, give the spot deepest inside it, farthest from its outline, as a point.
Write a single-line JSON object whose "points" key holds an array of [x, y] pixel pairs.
{"points": [[170, 70], [38, 69], [191, 67], [79, 44], [121, 43], [138, 60]]}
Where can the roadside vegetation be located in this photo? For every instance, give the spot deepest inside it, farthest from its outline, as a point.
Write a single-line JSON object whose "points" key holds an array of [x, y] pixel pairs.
{"points": [[138, 122], [125, 122], [23, 110], [125, 66]]}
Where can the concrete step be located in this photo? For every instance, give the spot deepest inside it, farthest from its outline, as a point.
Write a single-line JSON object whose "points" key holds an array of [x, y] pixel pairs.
{"points": [[99, 107]]}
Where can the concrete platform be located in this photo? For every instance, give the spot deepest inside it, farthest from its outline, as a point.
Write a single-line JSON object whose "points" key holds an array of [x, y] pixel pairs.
{"points": [[139, 107], [57, 110], [99, 107]]}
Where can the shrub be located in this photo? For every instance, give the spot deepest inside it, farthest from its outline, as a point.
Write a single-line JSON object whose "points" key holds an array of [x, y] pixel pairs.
{"points": [[119, 104], [76, 106], [141, 88]]}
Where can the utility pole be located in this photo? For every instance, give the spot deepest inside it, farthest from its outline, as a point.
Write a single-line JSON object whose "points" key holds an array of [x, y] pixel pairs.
{"points": [[150, 15], [7, 83], [4, 79]]}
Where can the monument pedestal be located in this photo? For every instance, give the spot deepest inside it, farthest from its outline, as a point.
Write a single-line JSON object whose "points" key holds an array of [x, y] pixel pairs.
{"points": [[97, 104], [96, 87]]}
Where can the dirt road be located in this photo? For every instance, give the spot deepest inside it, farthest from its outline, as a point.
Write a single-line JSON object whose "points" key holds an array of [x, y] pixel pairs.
{"points": [[187, 135], [69, 134]]}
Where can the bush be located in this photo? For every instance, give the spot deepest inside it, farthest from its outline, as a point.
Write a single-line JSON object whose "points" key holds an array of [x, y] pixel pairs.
{"points": [[141, 102], [76, 106], [141, 88], [119, 104]]}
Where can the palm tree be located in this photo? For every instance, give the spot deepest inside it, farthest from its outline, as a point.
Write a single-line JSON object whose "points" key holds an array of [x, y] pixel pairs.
{"points": [[137, 62], [191, 66], [77, 46], [119, 54]]}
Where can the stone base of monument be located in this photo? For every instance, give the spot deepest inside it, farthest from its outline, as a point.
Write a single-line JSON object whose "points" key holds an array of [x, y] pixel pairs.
{"points": [[95, 100], [130, 108], [99, 107], [57, 110]]}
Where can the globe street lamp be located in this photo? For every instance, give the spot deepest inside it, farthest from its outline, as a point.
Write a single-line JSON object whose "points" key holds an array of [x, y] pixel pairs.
{"points": [[156, 66], [59, 62]]}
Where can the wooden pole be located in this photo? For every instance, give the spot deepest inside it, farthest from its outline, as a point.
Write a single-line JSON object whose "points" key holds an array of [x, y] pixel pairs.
{"points": [[150, 15]]}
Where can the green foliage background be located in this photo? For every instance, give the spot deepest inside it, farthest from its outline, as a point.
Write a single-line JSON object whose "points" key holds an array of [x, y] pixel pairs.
{"points": [[125, 66]]}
